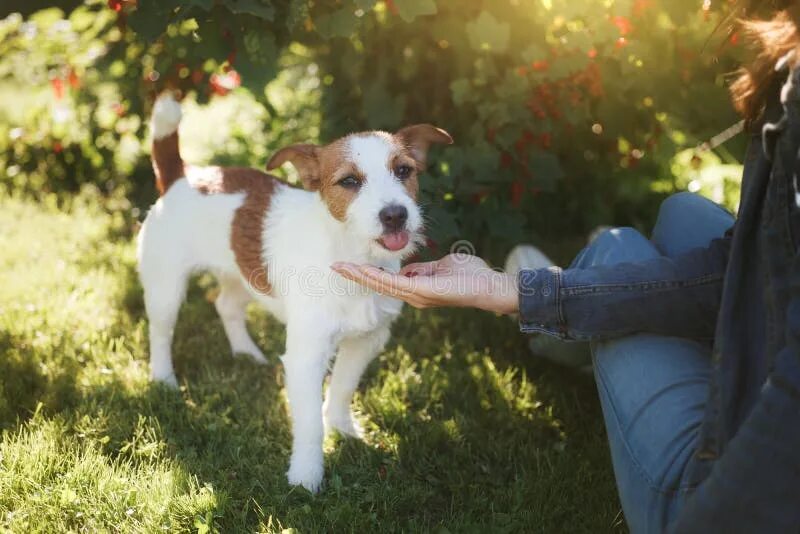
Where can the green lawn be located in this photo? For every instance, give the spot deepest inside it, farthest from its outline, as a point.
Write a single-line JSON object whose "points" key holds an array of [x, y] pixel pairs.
{"points": [[465, 430]]}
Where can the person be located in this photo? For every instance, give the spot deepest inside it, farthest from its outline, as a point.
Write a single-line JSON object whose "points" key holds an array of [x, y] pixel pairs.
{"points": [[695, 333]]}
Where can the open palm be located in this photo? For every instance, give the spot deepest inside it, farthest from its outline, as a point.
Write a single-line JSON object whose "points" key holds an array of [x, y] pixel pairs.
{"points": [[455, 280]]}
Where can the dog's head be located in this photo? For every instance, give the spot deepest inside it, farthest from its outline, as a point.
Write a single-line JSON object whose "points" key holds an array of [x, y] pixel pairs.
{"points": [[369, 182]]}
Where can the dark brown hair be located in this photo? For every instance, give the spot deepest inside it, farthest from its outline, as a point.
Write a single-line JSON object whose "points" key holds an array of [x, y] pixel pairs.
{"points": [[774, 37]]}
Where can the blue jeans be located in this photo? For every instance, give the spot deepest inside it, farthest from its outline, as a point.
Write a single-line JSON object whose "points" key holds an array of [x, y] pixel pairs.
{"points": [[653, 389]]}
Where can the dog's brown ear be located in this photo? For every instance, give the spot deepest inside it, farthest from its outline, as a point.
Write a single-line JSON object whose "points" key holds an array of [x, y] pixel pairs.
{"points": [[304, 158], [419, 137]]}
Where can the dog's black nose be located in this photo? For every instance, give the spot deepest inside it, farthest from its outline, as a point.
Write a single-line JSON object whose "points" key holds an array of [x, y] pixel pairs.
{"points": [[393, 217]]}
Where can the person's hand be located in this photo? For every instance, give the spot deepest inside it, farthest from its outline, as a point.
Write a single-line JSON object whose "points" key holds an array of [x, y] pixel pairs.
{"points": [[455, 280]]}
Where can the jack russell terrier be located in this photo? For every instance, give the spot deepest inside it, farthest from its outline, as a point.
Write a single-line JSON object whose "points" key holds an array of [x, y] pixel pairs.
{"points": [[272, 243]]}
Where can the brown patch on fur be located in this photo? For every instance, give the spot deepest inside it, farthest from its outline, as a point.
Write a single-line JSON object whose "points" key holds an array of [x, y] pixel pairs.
{"points": [[418, 138], [333, 168], [167, 162], [404, 157], [774, 38], [247, 227], [322, 167]]}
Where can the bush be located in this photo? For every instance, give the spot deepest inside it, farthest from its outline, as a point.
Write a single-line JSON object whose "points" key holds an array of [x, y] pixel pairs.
{"points": [[566, 114]]}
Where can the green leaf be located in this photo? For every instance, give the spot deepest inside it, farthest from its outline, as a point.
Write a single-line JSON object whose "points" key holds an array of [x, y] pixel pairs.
{"points": [[258, 65], [202, 4], [411, 9], [443, 227], [534, 52], [382, 109], [366, 5], [340, 23], [298, 12], [262, 9], [148, 25], [461, 90], [488, 33], [260, 46], [546, 169], [506, 224]]}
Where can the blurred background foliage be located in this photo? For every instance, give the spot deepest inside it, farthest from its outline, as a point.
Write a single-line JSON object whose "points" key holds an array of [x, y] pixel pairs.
{"points": [[566, 113]]}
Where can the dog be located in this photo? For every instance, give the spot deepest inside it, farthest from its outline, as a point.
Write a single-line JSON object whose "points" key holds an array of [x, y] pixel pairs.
{"points": [[269, 242]]}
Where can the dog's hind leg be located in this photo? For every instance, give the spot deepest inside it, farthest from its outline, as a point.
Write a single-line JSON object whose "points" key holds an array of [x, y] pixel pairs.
{"points": [[231, 305], [354, 355], [163, 294]]}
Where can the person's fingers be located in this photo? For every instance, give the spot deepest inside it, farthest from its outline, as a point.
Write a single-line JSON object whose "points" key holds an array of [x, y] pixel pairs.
{"points": [[375, 279], [419, 269], [394, 283], [352, 272]]}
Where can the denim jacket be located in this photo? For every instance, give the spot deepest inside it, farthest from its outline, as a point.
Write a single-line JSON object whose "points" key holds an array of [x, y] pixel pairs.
{"points": [[743, 291]]}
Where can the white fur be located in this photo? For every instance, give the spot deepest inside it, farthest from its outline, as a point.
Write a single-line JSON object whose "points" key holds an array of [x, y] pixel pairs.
{"points": [[166, 116], [372, 154], [186, 231]]}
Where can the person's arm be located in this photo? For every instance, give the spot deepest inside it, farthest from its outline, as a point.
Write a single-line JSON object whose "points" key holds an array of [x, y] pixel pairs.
{"points": [[457, 280], [755, 485], [664, 296], [669, 296]]}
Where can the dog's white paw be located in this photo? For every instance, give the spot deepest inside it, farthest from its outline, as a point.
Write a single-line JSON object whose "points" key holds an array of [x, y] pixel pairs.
{"points": [[166, 379], [307, 474], [345, 424], [252, 352]]}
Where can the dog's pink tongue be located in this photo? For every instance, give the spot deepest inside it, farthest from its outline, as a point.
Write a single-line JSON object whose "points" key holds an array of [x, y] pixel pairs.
{"points": [[395, 241]]}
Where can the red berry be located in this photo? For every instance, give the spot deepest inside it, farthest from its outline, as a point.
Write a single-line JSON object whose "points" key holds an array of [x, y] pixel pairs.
{"points": [[222, 84], [73, 79], [623, 24], [58, 87], [540, 66]]}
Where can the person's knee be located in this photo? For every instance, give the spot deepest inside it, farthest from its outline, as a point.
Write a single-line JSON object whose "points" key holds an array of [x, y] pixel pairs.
{"points": [[620, 237], [687, 220], [680, 205], [618, 245]]}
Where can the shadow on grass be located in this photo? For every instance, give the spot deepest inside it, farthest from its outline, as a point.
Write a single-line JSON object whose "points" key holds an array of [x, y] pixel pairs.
{"points": [[31, 383], [465, 430]]}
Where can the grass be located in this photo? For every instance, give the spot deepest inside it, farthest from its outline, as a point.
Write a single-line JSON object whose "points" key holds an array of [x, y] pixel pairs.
{"points": [[465, 430]]}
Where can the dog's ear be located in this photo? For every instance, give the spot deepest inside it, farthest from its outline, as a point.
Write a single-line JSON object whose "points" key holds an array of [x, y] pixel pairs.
{"points": [[418, 139], [304, 158]]}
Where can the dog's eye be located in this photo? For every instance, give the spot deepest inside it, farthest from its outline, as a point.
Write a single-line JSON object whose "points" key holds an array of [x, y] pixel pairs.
{"points": [[403, 171], [350, 182]]}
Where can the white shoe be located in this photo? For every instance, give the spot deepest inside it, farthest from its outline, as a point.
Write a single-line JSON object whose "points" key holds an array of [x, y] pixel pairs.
{"points": [[526, 257]]}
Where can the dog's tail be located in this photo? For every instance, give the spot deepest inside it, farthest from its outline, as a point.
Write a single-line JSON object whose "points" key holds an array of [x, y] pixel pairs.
{"points": [[166, 155]]}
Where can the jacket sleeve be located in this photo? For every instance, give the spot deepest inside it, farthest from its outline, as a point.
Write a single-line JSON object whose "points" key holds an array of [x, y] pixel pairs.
{"points": [[668, 296], [755, 485]]}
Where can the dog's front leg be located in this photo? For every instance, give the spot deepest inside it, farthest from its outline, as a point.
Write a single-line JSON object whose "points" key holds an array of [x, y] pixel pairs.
{"points": [[309, 347], [354, 355]]}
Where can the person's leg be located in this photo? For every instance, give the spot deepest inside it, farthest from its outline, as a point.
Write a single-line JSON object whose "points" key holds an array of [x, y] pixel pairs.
{"points": [[686, 221], [653, 389], [613, 245]]}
